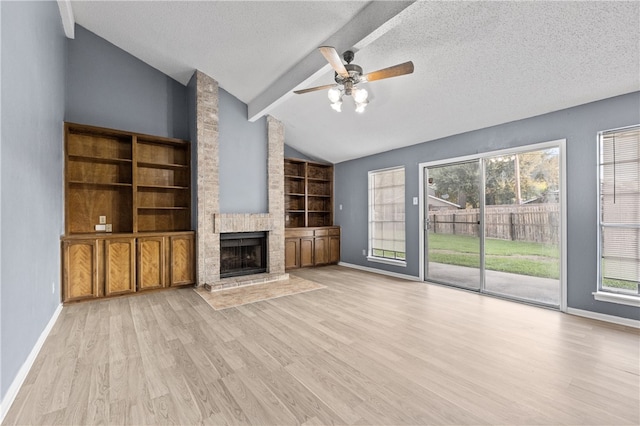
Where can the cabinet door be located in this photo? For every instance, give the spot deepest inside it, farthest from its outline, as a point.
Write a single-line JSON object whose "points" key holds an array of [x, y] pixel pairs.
{"points": [[306, 252], [334, 249], [151, 255], [321, 250], [80, 269], [119, 268], [181, 260], [291, 253]]}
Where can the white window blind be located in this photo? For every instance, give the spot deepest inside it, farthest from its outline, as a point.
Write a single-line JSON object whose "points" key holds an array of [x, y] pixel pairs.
{"points": [[386, 214], [619, 173]]}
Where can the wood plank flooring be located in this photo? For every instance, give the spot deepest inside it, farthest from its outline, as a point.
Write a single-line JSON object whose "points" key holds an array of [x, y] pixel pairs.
{"points": [[368, 349]]}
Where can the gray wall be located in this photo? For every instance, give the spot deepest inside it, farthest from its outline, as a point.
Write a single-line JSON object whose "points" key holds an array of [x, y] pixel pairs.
{"points": [[579, 126], [290, 152], [33, 79], [108, 87], [243, 158]]}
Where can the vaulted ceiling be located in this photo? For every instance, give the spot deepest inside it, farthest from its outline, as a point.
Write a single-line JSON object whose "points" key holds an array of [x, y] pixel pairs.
{"points": [[477, 64]]}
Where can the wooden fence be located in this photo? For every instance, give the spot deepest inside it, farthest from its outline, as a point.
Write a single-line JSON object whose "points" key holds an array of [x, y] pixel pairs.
{"points": [[535, 223]]}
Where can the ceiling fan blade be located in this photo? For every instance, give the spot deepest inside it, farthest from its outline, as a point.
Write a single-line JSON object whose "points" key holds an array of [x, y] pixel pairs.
{"points": [[394, 71], [331, 55], [313, 89]]}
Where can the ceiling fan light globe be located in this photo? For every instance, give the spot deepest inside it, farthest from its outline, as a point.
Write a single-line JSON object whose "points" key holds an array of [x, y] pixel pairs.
{"points": [[337, 106], [334, 94], [360, 106], [360, 95]]}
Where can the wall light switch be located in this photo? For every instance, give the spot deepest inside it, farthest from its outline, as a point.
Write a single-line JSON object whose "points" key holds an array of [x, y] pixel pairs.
{"points": [[102, 220], [340, 206], [101, 228], [415, 201], [364, 252], [109, 227]]}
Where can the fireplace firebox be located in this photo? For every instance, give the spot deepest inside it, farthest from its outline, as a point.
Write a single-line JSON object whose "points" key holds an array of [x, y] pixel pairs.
{"points": [[243, 253]]}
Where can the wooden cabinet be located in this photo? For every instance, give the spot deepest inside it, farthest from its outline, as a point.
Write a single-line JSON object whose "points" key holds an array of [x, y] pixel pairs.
{"points": [[127, 213], [308, 188], [310, 238], [306, 252], [119, 266], [151, 263], [111, 265], [80, 269], [291, 253], [311, 246], [181, 260]]}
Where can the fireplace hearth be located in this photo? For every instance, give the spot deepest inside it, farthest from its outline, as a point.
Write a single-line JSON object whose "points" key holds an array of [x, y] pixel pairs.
{"points": [[243, 253]]}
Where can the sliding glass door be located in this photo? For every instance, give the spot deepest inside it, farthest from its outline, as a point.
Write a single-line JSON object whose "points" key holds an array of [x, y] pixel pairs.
{"points": [[522, 226], [493, 224], [452, 234]]}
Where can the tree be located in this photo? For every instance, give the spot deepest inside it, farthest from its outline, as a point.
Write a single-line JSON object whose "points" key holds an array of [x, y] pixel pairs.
{"points": [[538, 178]]}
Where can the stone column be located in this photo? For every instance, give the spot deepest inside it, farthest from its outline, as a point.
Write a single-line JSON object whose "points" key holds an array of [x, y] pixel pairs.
{"points": [[275, 164], [208, 241]]}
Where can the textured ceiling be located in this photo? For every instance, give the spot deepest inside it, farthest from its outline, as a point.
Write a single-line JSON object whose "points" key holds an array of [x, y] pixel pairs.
{"points": [[477, 64]]}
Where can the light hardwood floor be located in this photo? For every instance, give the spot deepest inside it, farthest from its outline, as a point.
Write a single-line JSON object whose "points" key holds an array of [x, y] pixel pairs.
{"points": [[368, 349]]}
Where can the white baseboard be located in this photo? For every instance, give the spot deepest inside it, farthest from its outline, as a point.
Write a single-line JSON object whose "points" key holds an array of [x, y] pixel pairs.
{"points": [[381, 271], [604, 317], [12, 392]]}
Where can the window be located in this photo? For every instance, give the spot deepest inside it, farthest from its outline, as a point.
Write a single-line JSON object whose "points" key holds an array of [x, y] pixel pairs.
{"points": [[386, 216], [619, 172]]}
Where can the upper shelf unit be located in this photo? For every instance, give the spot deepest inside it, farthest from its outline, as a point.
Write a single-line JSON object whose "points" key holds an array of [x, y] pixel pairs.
{"points": [[308, 193], [139, 183]]}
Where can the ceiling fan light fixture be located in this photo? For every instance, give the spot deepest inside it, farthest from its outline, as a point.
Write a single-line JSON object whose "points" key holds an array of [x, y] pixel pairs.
{"points": [[360, 95], [360, 106], [337, 106], [335, 95]]}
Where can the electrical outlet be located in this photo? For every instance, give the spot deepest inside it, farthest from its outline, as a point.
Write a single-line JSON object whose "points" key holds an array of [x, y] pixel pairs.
{"points": [[102, 220], [108, 227], [101, 228], [53, 287], [364, 252], [340, 206], [415, 201]]}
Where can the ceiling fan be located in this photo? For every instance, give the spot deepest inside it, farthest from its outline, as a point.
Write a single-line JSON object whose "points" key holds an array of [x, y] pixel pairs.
{"points": [[348, 76]]}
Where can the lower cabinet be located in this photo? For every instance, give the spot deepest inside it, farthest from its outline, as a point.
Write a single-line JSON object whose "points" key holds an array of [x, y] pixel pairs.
{"points": [[151, 263], [103, 266], [80, 269], [119, 266], [311, 246]]}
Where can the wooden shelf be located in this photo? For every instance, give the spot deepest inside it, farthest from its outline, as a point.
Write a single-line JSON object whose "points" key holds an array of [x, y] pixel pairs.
{"points": [[163, 166], [94, 159], [127, 177], [144, 186], [114, 184], [141, 185], [308, 193], [162, 208]]}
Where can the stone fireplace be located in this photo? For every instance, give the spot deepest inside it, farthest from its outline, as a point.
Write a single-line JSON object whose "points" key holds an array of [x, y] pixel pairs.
{"points": [[212, 225]]}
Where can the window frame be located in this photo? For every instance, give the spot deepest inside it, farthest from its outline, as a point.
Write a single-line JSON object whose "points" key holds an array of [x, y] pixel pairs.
{"points": [[606, 294], [370, 222]]}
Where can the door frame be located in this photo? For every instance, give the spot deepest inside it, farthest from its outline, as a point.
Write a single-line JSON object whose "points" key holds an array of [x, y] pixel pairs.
{"points": [[562, 161]]}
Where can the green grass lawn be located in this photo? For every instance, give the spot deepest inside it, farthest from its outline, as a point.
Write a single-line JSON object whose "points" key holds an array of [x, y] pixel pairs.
{"points": [[518, 257]]}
